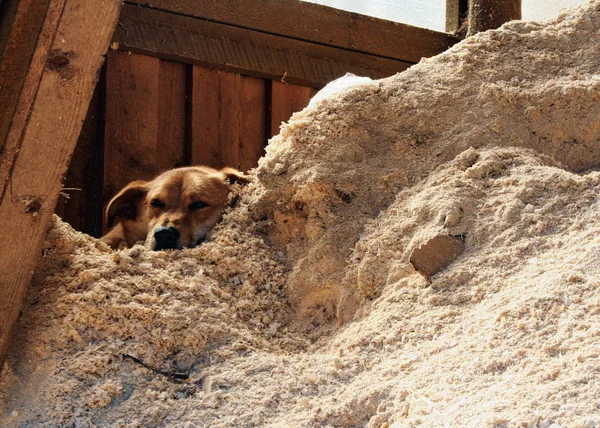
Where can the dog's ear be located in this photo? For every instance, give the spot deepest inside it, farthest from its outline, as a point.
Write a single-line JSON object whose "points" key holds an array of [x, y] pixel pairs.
{"points": [[124, 204], [233, 176]]}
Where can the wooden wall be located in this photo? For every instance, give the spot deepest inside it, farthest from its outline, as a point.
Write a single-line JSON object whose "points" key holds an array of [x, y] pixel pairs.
{"points": [[208, 83], [149, 115]]}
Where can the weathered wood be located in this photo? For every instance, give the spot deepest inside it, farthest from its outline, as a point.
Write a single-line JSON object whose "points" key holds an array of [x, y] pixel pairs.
{"points": [[80, 203], [19, 39], [316, 23], [171, 115], [456, 12], [228, 119], [21, 24], [253, 121], [436, 254], [286, 99], [489, 14], [145, 119], [57, 110], [221, 46], [206, 100]]}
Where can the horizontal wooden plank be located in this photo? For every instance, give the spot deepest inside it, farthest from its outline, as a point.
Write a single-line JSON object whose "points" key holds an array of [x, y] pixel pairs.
{"points": [[316, 23], [249, 52]]}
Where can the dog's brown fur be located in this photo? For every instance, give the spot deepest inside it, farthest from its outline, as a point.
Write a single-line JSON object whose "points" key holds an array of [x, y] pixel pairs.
{"points": [[189, 199]]}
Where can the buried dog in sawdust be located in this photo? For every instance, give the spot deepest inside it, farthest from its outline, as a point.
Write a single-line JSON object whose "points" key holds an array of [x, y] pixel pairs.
{"points": [[175, 210]]}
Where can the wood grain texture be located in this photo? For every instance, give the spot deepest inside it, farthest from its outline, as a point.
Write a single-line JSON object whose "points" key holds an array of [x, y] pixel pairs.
{"points": [[286, 99], [17, 48], [253, 121], [228, 119], [205, 116], [456, 11], [48, 139], [239, 50], [145, 119], [489, 14], [317, 24], [80, 202], [20, 114]]}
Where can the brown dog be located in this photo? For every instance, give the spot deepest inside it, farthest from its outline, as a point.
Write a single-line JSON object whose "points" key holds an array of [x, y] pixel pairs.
{"points": [[175, 210]]}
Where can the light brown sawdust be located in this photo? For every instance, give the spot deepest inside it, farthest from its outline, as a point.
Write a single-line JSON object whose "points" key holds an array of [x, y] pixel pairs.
{"points": [[303, 309]]}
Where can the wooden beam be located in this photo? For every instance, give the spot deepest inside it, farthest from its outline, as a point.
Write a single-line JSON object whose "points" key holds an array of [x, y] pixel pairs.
{"points": [[456, 13], [48, 119], [17, 44], [489, 14], [209, 44], [316, 23]]}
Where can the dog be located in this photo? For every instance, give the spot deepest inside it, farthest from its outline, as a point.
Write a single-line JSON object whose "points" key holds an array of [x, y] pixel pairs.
{"points": [[175, 210]]}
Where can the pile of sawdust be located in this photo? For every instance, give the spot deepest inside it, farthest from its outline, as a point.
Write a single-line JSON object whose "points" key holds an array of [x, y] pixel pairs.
{"points": [[303, 309]]}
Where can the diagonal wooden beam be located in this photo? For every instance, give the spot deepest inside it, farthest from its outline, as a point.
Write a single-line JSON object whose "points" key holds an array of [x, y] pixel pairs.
{"points": [[42, 136]]}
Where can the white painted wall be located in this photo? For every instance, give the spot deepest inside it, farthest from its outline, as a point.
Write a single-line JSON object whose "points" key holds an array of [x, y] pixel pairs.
{"points": [[432, 13], [420, 13], [540, 10]]}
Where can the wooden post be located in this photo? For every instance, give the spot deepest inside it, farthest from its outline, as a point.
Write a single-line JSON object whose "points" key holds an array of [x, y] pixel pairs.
{"points": [[489, 14], [47, 119], [456, 13]]}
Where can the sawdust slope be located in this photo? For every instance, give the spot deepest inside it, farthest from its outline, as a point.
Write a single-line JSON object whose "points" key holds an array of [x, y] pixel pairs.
{"points": [[491, 141]]}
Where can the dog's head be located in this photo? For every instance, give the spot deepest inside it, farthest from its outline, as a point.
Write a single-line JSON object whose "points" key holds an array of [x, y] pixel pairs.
{"points": [[175, 210]]}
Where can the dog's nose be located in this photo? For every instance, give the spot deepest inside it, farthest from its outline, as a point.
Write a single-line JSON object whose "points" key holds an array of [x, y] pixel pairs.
{"points": [[167, 238]]}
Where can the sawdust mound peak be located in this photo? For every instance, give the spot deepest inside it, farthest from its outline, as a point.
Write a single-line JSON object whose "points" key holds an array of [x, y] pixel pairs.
{"points": [[303, 308]]}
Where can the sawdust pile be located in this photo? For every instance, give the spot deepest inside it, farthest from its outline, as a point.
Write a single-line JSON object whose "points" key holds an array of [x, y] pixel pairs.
{"points": [[303, 308]]}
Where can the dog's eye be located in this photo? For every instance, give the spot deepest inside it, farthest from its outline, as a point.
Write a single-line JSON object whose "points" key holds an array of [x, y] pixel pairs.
{"points": [[157, 203], [197, 205]]}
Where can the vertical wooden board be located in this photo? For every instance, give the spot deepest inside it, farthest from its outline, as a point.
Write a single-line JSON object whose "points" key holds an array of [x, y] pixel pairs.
{"points": [[253, 135], [286, 99], [131, 130], [204, 138], [217, 118], [170, 148], [145, 119], [229, 124], [80, 203], [490, 14]]}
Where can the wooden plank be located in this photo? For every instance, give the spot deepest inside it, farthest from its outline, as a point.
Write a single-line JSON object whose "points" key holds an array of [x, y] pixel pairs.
{"points": [[205, 96], [170, 151], [489, 14], [18, 43], [286, 99], [316, 23], [20, 118], [228, 119], [59, 107], [199, 42], [456, 12], [228, 124], [145, 119], [82, 206], [253, 122], [131, 130]]}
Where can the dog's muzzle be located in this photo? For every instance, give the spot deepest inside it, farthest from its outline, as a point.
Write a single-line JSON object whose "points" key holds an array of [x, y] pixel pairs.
{"points": [[166, 238]]}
